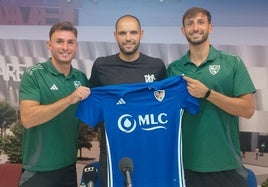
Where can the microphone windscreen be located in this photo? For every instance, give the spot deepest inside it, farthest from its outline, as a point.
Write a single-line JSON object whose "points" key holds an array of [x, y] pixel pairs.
{"points": [[126, 163], [90, 173]]}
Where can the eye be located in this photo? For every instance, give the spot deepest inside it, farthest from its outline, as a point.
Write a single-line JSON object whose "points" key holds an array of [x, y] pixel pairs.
{"points": [[59, 41], [122, 33], [201, 22], [71, 42], [189, 23], [134, 32]]}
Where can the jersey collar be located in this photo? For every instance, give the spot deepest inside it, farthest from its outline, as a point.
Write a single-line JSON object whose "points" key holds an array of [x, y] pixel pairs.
{"points": [[55, 72], [211, 56]]}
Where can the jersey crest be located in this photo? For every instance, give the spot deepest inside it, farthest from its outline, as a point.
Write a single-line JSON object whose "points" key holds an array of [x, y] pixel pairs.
{"points": [[77, 84], [159, 94], [214, 69]]}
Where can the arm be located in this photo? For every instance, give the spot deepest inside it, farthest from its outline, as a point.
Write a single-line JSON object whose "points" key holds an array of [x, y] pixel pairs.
{"points": [[33, 114], [243, 105]]}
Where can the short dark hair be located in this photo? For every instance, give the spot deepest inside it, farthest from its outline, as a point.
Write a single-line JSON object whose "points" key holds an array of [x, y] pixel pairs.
{"points": [[62, 26], [130, 16], [192, 12]]}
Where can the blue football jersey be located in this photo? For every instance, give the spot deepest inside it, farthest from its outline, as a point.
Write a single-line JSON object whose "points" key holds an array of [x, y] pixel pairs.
{"points": [[142, 122]]}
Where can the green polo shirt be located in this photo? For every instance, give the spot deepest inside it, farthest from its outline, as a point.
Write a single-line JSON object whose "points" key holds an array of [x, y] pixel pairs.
{"points": [[52, 145], [211, 138]]}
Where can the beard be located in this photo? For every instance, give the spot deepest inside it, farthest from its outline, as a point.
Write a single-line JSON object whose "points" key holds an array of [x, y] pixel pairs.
{"points": [[199, 41], [128, 52]]}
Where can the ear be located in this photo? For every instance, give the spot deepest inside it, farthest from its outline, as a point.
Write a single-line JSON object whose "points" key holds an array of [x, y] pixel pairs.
{"points": [[49, 45], [182, 30], [210, 28], [141, 36], [115, 37]]}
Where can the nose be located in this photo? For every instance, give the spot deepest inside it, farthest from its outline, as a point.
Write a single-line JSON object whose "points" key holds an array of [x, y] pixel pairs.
{"points": [[195, 26], [128, 36], [65, 45]]}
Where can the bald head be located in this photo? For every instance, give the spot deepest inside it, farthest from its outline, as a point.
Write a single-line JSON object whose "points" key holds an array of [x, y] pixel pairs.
{"points": [[127, 18]]}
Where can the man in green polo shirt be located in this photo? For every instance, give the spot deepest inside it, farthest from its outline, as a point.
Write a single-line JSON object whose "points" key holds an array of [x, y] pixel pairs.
{"points": [[49, 94], [211, 146]]}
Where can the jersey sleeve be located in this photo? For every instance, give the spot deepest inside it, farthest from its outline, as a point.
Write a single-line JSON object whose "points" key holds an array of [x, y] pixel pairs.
{"points": [[192, 104], [29, 89], [90, 111], [242, 81]]}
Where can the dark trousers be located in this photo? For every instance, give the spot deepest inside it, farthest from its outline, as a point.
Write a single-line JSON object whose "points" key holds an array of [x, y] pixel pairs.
{"points": [[230, 178], [103, 156], [65, 177]]}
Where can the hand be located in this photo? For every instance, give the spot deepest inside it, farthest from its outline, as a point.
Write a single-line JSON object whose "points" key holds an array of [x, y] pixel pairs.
{"points": [[195, 87], [80, 94]]}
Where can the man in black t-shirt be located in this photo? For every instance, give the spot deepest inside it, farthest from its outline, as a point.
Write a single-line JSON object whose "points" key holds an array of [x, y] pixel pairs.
{"points": [[127, 66]]}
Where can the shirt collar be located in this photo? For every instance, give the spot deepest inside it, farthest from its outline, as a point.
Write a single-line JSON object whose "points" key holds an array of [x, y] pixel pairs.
{"points": [[211, 56], [55, 72]]}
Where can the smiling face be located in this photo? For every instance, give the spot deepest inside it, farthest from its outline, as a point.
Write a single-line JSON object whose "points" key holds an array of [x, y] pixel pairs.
{"points": [[63, 46], [197, 29], [128, 35]]}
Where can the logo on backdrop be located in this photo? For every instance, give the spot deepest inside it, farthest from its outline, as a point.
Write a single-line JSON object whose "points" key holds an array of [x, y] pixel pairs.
{"points": [[11, 71]]}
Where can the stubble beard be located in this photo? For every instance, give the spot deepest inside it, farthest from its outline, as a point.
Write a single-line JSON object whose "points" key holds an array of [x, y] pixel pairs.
{"points": [[197, 42], [126, 52]]}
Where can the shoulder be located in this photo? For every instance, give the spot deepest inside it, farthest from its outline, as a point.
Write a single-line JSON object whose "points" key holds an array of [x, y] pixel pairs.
{"points": [[33, 74], [105, 59], [36, 68], [229, 59], [149, 59], [226, 55], [78, 72], [176, 67], [80, 76], [178, 62]]}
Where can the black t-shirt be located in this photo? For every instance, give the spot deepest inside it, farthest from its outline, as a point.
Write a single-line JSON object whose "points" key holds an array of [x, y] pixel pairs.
{"points": [[111, 70]]}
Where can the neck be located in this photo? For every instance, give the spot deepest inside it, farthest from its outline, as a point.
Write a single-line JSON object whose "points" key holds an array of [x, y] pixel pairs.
{"points": [[199, 53], [129, 58], [62, 67]]}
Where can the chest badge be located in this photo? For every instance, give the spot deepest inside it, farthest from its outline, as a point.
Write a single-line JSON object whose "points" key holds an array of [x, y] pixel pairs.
{"points": [[77, 84], [159, 94], [214, 69]]}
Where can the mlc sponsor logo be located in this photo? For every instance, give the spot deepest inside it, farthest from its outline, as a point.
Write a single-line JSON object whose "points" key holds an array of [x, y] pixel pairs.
{"points": [[148, 122]]}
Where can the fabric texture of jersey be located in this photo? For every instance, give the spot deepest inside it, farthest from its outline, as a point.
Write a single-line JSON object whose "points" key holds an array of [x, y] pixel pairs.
{"points": [[211, 138], [52, 145], [142, 122]]}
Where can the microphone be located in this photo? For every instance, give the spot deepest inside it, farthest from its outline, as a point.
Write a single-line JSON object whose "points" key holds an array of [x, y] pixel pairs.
{"points": [[90, 175], [126, 167]]}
